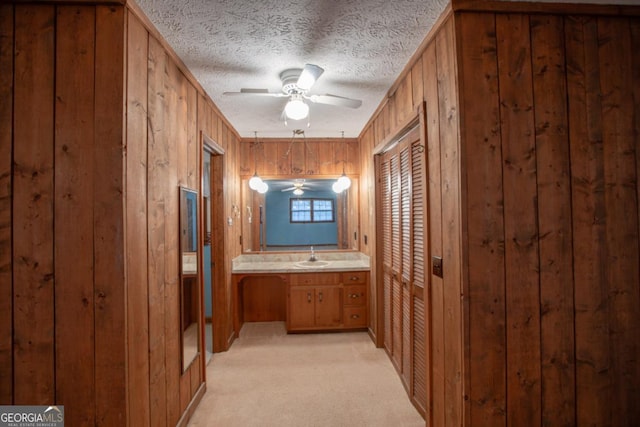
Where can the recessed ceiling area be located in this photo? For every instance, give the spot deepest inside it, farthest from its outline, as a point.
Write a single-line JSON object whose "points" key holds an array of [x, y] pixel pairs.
{"points": [[362, 45]]}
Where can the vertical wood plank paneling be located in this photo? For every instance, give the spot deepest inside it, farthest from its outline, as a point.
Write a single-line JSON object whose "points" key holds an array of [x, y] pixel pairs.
{"points": [[620, 147], [6, 178], [589, 211], [417, 84], [635, 77], [33, 279], [174, 109], [485, 230], [521, 233], [74, 233], [451, 233], [435, 414], [157, 172], [110, 375], [136, 228], [554, 220]]}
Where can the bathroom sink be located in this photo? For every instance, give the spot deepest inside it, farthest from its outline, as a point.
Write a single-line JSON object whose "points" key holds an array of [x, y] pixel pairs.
{"points": [[311, 264]]}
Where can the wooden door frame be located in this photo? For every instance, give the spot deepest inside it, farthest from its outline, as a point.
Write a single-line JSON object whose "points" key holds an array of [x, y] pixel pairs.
{"points": [[219, 290]]}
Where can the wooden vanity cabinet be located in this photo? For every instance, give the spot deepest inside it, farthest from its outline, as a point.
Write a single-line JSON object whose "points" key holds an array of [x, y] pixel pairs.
{"points": [[355, 300], [327, 301]]}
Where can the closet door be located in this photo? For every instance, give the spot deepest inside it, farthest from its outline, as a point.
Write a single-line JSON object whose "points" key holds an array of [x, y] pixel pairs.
{"points": [[419, 259], [403, 214], [385, 242], [396, 259], [406, 261]]}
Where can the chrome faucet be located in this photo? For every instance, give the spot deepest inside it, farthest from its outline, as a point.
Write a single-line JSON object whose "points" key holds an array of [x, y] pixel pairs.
{"points": [[313, 255]]}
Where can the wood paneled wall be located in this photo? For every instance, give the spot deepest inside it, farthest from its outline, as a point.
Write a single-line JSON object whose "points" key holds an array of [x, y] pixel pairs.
{"points": [[101, 124], [550, 112], [299, 156], [532, 130]]}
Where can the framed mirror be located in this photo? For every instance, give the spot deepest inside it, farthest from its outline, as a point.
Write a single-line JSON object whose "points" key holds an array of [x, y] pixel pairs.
{"points": [[297, 213], [189, 283]]}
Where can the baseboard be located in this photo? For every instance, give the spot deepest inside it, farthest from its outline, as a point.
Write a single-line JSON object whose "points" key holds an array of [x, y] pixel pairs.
{"points": [[191, 408]]}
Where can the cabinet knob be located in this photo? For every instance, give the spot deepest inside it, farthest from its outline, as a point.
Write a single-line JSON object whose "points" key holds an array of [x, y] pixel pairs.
{"points": [[355, 316], [320, 296], [309, 297], [353, 295], [354, 278]]}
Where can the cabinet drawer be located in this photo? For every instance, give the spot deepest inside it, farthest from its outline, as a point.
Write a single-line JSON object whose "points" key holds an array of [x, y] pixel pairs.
{"points": [[355, 294], [353, 277], [314, 279], [355, 317]]}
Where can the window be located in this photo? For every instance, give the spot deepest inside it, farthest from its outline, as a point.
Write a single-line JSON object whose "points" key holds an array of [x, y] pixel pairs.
{"points": [[311, 210]]}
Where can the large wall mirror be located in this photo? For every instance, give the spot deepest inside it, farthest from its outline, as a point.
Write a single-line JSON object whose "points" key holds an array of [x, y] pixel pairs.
{"points": [[297, 213], [190, 289]]}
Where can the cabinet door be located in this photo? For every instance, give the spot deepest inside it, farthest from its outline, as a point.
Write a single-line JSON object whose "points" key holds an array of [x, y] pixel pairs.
{"points": [[301, 307], [328, 306]]}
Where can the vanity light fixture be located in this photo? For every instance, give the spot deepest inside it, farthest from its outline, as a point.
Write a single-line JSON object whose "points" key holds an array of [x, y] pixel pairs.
{"points": [[343, 182], [256, 183]]}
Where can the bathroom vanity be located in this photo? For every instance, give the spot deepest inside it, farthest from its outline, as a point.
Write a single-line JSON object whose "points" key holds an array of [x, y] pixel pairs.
{"points": [[328, 294]]}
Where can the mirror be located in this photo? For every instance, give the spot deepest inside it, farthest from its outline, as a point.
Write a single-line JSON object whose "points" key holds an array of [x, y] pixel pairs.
{"points": [[190, 291], [280, 220]]}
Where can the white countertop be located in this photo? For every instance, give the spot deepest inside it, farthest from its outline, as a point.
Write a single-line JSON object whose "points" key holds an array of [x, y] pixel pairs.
{"points": [[292, 262]]}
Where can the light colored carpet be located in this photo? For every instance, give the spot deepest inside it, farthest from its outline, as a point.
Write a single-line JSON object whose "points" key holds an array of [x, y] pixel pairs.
{"points": [[269, 378]]}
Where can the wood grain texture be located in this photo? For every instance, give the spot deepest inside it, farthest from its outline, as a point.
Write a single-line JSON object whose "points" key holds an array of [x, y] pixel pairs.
{"points": [[620, 148], [6, 179], [136, 217], [158, 171], [589, 211], [74, 193], [554, 220], [520, 222], [435, 409], [485, 228], [451, 221], [33, 205], [108, 229]]}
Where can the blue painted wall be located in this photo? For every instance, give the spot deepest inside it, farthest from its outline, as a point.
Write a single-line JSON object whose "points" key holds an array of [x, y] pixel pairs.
{"points": [[280, 232]]}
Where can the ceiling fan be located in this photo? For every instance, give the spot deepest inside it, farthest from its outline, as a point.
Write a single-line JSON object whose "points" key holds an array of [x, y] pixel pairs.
{"points": [[296, 82], [298, 187]]}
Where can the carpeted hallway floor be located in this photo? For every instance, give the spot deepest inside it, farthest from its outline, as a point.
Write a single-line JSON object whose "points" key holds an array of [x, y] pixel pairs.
{"points": [[269, 378]]}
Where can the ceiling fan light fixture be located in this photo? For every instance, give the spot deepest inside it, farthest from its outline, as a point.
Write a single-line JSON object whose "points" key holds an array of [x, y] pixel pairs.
{"points": [[298, 192], [296, 108]]}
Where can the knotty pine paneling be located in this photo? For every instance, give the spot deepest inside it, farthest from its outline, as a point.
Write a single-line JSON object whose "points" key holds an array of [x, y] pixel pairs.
{"points": [[6, 135], [73, 191], [554, 219], [275, 158], [485, 229], [89, 212], [557, 121], [32, 343], [136, 217], [528, 179], [108, 229]]}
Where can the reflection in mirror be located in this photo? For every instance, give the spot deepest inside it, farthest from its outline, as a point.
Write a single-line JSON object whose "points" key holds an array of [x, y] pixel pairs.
{"points": [[190, 291], [298, 213]]}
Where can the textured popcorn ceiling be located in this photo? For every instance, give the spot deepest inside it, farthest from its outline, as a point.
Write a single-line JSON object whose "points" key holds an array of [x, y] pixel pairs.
{"points": [[363, 45]]}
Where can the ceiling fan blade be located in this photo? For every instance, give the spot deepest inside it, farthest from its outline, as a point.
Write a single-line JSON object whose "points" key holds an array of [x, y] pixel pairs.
{"points": [[308, 76], [259, 92], [335, 100]]}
